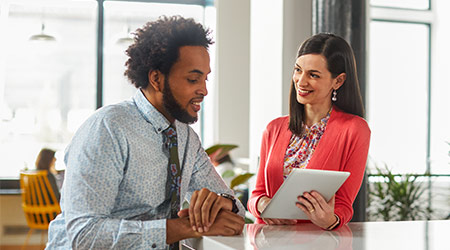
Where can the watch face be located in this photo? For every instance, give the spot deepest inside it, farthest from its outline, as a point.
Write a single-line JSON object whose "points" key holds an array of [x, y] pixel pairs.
{"points": [[227, 196], [235, 209]]}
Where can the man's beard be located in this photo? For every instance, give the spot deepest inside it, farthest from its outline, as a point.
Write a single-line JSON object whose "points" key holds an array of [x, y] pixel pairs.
{"points": [[173, 107]]}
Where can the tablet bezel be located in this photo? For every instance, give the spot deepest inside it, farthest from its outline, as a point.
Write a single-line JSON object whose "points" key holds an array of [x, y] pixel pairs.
{"points": [[282, 205]]}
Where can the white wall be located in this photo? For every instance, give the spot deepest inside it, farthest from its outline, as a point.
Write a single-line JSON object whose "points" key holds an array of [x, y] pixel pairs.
{"points": [[266, 70], [257, 41], [278, 28], [232, 74], [297, 27]]}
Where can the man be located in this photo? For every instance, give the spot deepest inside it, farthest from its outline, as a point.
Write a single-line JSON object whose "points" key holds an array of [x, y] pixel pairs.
{"points": [[127, 174]]}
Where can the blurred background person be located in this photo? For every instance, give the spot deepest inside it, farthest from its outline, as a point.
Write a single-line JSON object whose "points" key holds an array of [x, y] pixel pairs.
{"points": [[46, 161]]}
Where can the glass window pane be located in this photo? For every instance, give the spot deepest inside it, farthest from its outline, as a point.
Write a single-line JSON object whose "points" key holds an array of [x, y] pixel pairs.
{"points": [[397, 106], [404, 4], [47, 77], [120, 19], [440, 102]]}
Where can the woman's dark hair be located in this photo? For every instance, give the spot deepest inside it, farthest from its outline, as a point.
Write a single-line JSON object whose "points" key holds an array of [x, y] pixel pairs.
{"points": [[156, 46], [340, 59], [44, 159]]}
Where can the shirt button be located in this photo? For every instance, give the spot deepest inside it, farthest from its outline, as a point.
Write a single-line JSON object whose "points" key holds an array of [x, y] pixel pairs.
{"points": [[153, 245], [159, 129]]}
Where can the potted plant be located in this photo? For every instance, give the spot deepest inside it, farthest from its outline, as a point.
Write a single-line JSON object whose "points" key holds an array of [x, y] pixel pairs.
{"points": [[236, 179], [396, 197]]}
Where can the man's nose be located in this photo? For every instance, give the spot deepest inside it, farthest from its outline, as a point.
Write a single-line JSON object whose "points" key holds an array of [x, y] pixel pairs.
{"points": [[203, 90]]}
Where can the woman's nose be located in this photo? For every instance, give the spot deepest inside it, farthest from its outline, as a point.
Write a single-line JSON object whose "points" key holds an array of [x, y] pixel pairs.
{"points": [[300, 81]]}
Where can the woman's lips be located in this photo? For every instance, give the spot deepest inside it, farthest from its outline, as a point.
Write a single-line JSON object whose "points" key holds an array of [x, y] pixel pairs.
{"points": [[302, 92]]}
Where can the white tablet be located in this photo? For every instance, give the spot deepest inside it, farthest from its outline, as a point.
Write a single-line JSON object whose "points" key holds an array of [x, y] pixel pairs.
{"points": [[282, 205]]}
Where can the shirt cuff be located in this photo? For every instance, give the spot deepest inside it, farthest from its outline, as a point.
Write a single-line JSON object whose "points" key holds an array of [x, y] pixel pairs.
{"points": [[154, 234]]}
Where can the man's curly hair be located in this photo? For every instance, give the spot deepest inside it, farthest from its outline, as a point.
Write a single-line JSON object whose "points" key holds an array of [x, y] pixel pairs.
{"points": [[156, 46]]}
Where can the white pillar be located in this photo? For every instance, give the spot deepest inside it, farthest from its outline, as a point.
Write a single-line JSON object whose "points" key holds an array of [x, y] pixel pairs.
{"points": [[233, 74], [277, 29], [256, 46]]}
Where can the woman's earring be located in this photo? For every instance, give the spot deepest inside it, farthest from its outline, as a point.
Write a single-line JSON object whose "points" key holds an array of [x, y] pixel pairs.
{"points": [[334, 98]]}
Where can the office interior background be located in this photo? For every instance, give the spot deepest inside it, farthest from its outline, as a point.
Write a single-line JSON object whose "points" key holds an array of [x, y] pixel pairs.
{"points": [[61, 60]]}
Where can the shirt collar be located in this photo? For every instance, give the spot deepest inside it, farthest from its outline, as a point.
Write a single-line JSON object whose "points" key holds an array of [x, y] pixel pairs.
{"points": [[150, 113]]}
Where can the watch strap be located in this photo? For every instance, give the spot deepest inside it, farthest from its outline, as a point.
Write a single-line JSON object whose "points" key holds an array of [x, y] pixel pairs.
{"points": [[234, 209]]}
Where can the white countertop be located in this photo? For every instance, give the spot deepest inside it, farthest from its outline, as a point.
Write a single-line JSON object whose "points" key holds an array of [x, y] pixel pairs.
{"points": [[410, 235]]}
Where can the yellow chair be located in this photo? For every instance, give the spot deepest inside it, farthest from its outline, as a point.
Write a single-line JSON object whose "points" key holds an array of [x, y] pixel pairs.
{"points": [[39, 202]]}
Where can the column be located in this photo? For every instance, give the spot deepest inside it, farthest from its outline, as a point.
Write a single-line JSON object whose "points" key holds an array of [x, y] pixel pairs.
{"points": [[347, 18]]}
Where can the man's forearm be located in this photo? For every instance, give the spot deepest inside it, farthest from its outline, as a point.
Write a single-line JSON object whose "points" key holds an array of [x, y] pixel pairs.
{"points": [[179, 229], [97, 232]]}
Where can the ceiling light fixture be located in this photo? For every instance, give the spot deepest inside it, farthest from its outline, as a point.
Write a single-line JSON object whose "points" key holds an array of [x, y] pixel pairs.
{"points": [[127, 39], [42, 36]]}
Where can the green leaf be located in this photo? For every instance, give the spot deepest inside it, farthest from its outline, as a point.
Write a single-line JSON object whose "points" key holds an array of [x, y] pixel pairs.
{"points": [[240, 179], [226, 148], [228, 174]]}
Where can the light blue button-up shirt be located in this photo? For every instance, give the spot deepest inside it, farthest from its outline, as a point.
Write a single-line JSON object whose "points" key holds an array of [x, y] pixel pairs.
{"points": [[116, 172]]}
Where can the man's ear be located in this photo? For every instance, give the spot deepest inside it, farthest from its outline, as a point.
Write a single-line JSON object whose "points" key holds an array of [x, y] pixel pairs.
{"points": [[156, 80], [340, 79]]}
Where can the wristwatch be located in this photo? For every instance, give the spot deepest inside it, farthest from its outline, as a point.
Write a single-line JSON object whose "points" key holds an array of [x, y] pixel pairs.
{"points": [[235, 209]]}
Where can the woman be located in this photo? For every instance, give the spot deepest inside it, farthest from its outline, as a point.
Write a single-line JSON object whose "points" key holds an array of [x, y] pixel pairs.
{"points": [[324, 130], [46, 161]]}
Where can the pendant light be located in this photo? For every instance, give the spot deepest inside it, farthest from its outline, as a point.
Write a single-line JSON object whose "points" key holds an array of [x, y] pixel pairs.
{"points": [[42, 36], [127, 38]]}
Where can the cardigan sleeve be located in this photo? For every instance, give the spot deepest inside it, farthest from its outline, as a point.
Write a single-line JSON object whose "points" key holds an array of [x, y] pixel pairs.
{"points": [[354, 162], [260, 188]]}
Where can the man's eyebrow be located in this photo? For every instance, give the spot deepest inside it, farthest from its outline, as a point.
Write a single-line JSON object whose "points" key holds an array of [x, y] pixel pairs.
{"points": [[197, 71], [311, 70]]}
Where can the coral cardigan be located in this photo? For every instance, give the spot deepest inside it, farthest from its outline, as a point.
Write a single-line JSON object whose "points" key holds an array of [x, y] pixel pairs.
{"points": [[343, 147]]}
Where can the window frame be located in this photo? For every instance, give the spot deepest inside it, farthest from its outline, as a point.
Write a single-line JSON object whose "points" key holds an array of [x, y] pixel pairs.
{"points": [[401, 8]]}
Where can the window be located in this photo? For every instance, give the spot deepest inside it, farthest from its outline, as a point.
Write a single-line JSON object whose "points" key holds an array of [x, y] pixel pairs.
{"points": [[48, 68], [47, 77], [407, 106], [407, 94], [122, 18], [398, 99]]}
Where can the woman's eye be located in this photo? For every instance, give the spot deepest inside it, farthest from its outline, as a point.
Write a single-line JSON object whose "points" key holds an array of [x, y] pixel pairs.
{"points": [[192, 80], [314, 76]]}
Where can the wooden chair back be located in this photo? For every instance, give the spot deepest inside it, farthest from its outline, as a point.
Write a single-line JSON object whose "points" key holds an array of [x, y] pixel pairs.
{"points": [[39, 202]]}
